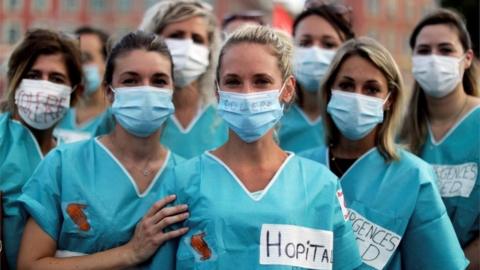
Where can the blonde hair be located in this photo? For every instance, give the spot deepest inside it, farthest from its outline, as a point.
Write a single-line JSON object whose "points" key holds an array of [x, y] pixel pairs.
{"points": [[166, 12], [415, 130], [279, 43], [376, 54]]}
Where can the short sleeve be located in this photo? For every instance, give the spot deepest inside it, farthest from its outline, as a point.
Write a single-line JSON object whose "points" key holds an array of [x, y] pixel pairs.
{"points": [[345, 249], [430, 241], [41, 195]]}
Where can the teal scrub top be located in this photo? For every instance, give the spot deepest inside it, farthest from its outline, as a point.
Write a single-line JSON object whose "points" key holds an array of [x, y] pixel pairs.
{"points": [[86, 201], [456, 159], [397, 214], [297, 222], [206, 131], [298, 133], [68, 131], [19, 156]]}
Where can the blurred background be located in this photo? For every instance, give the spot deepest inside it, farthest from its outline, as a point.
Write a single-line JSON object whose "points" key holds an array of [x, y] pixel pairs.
{"points": [[388, 21]]}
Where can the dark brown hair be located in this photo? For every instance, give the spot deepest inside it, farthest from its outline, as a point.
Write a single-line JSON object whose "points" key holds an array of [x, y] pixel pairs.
{"points": [[138, 40]]}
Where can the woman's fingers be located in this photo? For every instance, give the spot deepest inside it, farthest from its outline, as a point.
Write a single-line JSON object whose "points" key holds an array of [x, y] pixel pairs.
{"points": [[167, 221], [168, 211], [157, 206], [173, 234]]}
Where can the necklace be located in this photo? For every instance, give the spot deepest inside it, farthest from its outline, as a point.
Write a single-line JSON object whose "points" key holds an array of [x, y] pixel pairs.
{"points": [[146, 171]]}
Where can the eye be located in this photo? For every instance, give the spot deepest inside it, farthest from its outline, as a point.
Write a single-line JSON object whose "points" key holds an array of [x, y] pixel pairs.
{"points": [[232, 82], [33, 75], [329, 45], [305, 43], [346, 86], [198, 39], [423, 51], [57, 79], [446, 51], [159, 82], [129, 81], [176, 35], [372, 90], [262, 82]]}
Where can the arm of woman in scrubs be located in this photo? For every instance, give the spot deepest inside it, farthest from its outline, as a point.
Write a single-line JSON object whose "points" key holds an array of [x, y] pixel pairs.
{"points": [[472, 251], [38, 248]]}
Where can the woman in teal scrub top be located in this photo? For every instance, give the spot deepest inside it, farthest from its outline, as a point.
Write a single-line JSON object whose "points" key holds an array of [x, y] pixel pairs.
{"points": [[318, 32], [442, 126], [251, 204], [190, 31], [44, 77], [397, 214], [86, 198]]}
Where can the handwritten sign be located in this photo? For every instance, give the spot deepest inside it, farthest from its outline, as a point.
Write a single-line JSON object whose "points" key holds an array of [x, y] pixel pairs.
{"points": [[296, 246], [456, 180], [375, 243]]}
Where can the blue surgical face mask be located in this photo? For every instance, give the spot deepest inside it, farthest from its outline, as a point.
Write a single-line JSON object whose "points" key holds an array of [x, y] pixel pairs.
{"points": [[141, 110], [355, 115], [250, 115], [92, 79], [311, 65]]}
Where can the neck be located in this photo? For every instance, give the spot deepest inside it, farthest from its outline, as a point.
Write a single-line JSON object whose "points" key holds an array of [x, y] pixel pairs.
{"points": [[96, 100], [43, 137], [443, 109], [135, 148], [187, 98], [310, 103], [349, 149], [255, 153]]}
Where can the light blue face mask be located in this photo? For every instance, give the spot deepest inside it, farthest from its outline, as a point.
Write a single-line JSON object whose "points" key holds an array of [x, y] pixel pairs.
{"points": [[92, 79], [142, 110], [355, 115], [311, 65], [250, 115]]}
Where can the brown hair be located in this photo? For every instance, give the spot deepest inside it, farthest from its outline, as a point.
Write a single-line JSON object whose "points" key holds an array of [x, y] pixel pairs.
{"points": [[415, 130], [375, 53], [39, 42], [138, 40]]}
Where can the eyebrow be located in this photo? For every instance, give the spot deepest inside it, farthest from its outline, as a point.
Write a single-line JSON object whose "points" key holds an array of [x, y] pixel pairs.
{"points": [[50, 73], [440, 44]]}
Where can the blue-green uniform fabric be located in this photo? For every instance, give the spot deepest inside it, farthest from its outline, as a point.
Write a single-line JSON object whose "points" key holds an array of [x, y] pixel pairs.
{"points": [[209, 131], [67, 130], [19, 156], [303, 193], [297, 133], [401, 200], [456, 160], [87, 173]]}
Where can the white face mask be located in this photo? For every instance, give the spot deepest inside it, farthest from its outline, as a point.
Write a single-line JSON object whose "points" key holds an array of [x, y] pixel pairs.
{"points": [[41, 103], [311, 65], [437, 75], [190, 60]]}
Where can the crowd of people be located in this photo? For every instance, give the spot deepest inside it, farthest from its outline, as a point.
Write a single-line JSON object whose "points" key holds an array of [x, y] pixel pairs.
{"points": [[163, 149]]}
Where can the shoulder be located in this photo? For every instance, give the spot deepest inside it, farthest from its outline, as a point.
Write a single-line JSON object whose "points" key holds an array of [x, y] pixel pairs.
{"points": [[317, 154], [314, 171], [415, 166]]}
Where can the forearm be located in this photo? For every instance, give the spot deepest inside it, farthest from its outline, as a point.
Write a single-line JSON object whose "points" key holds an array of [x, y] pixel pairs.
{"points": [[472, 252], [116, 258]]}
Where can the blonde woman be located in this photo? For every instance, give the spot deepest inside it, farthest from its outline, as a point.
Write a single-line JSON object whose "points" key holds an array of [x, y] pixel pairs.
{"points": [[251, 204], [44, 77], [190, 31], [394, 206], [442, 126]]}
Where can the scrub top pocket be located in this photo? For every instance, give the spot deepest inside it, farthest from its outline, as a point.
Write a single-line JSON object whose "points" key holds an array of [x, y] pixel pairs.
{"points": [[79, 219]]}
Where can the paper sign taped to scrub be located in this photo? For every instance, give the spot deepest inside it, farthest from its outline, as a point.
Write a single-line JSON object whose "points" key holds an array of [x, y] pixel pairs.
{"points": [[375, 243], [296, 246], [456, 180]]}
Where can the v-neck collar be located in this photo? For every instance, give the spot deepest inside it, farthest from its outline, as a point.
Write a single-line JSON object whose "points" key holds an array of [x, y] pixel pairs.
{"points": [[452, 129], [327, 153], [306, 118], [129, 176], [37, 146], [192, 123], [234, 176]]}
